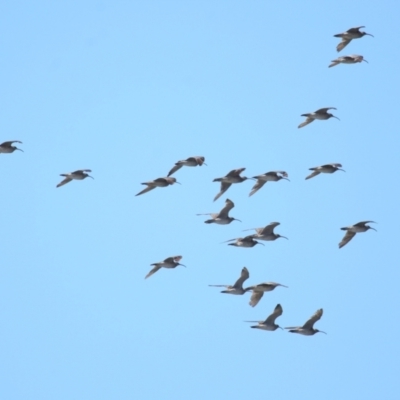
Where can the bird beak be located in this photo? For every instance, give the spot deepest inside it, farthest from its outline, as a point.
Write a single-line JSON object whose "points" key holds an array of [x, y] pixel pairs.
{"points": [[369, 34], [205, 164], [340, 169], [18, 149], [182, 265], [90, 176], [260, 243], [335, 117], [284, 286], [178, 182], [365, 61], [284, 237], [373, 228], [286, 179], [280, 327], [323, 332], [237, 219]]}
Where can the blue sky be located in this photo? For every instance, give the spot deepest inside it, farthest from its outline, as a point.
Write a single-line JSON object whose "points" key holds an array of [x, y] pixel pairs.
{"points": [[129, 88]]}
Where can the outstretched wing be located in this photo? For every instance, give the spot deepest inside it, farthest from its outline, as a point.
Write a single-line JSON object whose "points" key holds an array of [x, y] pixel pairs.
{"points": [[63, 182], [309, 324], [145, 190], [225, 211], [255, 298], [259, 184], [277, 312], [346, 239], [306, 122], [9, 143], [334, 63], [175, 168], [343, 44], [363, 223], [235, 172], [224, 187], [324, 110], [153, 271], [356, 29], [243, 276], [267, 230], [314, 173]]}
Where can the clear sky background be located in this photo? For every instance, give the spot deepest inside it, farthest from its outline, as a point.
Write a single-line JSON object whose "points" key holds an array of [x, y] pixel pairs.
{"points": [[127, 88]]}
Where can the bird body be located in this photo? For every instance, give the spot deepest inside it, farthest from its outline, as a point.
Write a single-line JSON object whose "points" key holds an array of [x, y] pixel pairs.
{"points": [[269, 323], [7, 147], [353, 59], [267, 233], [78, 175], [226, 181], [353, 229], [159, 182], [222, 218], [170, 262], [189, 162], [321, 114], [326, 169], [308, 328], [349, 35], [237, 287]]}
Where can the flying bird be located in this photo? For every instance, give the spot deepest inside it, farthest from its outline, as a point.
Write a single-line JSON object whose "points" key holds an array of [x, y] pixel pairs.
{"points": [[353, 59], [308, 328], [320, 114], [222, 218], [7, 147], [272, 176], [237, 287], [170, 262], [269, 323], [353, 229], [79, 175], [189, 162], [226, 181], [326, 169], [159, 182], [349, 35], [267, 233], [260, 289], [247, 241]]}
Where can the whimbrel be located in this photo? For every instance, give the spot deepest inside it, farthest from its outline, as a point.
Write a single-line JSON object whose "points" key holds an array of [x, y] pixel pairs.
{"points": [[226, 181], [349, 35], [267, 233], [307, 329], [78, 175], [189, 162], [222, 218], [7, 147], [159, 182], [237, 287], [247, 241], [326, 169], [272, 176], [353, 59], [353, 229], [321, 114], [170, 262], [269, 323], [258, 291]]}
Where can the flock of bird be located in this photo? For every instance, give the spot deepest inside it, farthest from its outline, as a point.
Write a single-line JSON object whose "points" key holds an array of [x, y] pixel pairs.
{"points": [[222, 218]]}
